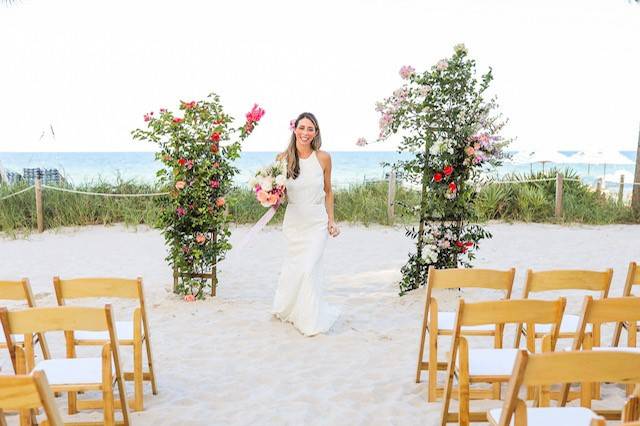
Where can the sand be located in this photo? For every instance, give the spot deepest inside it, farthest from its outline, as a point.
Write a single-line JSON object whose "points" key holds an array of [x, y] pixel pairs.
{"points": [[227, 361]]}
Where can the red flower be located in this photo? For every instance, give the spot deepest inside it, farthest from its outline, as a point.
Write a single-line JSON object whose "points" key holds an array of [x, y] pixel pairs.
{"points": [[468, 244], [453, 187], [215, 184], [448, 170], [182, 161], [215, 137], [178, 120], [255, 114], [437, 177], [459, 244], [189, 105]]}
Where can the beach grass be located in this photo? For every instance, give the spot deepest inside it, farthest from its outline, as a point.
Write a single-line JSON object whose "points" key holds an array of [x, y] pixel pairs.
{"points": [[364, 203]]}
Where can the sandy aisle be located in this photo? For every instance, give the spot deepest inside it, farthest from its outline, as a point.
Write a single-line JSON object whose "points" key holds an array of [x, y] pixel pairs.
{"points": [[226, 361]]}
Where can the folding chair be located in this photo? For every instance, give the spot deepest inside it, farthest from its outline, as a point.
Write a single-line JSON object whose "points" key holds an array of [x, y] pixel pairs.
{"points": [[21, 290], [567, 279], [441, 323], [492, 365], [27, 393], [543, 370], [130, 333], [633, 278], [71, 375], [595, 313]]}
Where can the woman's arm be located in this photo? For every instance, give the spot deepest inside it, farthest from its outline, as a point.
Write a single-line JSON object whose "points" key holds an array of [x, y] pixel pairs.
{"points": [[325, 161]]}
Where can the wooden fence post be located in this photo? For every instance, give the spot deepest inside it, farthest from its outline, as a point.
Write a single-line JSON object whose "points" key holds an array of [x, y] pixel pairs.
{"points": [[621, 190], [39, 213], [559, 195], [391, 197]]}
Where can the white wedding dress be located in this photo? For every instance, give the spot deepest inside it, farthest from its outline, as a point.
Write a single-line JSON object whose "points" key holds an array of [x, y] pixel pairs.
{"points": [[299, 296]]}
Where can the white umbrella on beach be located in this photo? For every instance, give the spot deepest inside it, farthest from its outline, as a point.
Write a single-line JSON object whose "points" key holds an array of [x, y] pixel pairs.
{"points": [[599, 157], [539, 156]]}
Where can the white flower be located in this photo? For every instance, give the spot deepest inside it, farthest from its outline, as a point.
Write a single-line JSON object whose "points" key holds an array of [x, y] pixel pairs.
{"points": [[460, 48], [266, 183], [281, 179], [424, 90], [430, 253], [253, 182]]}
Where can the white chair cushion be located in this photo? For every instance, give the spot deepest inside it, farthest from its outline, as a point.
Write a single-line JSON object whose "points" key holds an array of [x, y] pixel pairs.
{"points": [[446, 321], [569, 324], [17, 338], [491, 362], [71, 371], [124, 329], [548, 416], [617, 349]]}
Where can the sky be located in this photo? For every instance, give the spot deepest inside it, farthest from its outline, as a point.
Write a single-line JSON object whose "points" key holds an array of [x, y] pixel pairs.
{"points": [[566, 73]]}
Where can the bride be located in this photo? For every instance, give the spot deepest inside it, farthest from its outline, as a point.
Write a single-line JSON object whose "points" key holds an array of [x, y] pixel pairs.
{"points": [[308, 221]]}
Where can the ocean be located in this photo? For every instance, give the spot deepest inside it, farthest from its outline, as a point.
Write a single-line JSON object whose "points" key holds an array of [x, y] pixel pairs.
{"points": [[349, 167]]}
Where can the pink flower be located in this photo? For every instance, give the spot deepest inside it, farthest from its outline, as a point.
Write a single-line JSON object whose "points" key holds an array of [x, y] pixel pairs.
{"points": [[181, 184], [407, 71], [189, 298], [178, 120], [424, 90], [469, 151], [219, 202], [442, 65], [189, 105], [272, 199], [200, 238], [189, 164], [292, 125], [163, 110], [385, 120], [444, 244], [216, 165], [361, 142], [186, 249], [255, 114], [447, 170], [147, 117], [215, 184], [262, 196], [180, 211]]}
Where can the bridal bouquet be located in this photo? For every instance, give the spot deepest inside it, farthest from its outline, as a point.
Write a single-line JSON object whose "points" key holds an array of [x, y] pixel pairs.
{"points": [[269, 184]]}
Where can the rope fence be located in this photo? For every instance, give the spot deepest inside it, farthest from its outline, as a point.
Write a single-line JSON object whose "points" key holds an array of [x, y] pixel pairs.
{"points": [[391, 178]]}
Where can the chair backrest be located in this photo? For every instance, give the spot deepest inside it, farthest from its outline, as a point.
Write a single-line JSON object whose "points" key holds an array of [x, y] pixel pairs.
{"points": [[97, 287], [17, 290], [583, 367], [568, 279], [513, 311], [59, 318], [633, 278], [609, 310], [29, 392], [491, 279]]}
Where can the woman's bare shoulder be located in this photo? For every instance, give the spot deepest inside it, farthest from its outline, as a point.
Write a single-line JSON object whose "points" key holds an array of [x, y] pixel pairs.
{"points": [[323, 156]]}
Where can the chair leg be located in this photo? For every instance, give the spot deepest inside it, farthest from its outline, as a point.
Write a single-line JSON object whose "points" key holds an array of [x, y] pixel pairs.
{"points": [[107, 389], [463, 384], [433, 366], [72, 402], [138, 404], [154, 386], [616, 334]]}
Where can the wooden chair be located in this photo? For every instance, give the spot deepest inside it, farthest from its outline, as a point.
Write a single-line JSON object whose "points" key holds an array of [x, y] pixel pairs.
{"points": [[27, 393], [439, 323], [21, 290], [543, 370], [633, 278], [492, 365], [71, 375], [130, 333], [542, 281], [595, 313]]}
